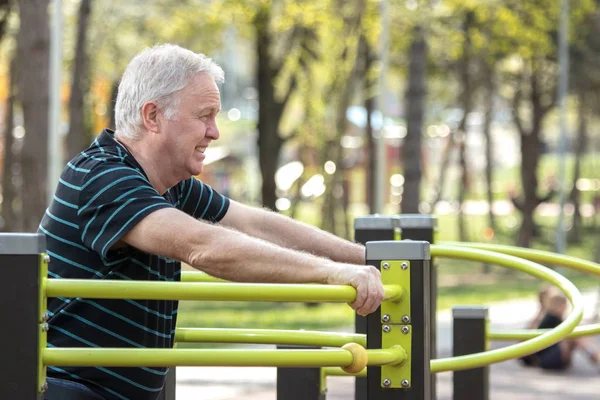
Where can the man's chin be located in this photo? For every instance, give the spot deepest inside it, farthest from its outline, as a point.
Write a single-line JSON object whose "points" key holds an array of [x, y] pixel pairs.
{"points": [[197, 170]]}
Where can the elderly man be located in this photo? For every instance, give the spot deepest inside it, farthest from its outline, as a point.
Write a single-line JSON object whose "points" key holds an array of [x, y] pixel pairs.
{"points": [[129, 207]]}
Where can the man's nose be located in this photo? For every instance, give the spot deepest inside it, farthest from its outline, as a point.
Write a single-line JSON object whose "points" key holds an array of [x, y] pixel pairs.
{"points": [[212, 131]]}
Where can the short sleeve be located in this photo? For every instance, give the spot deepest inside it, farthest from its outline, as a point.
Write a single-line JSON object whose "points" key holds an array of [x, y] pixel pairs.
{"points": [[201, 201], [113, 199]]}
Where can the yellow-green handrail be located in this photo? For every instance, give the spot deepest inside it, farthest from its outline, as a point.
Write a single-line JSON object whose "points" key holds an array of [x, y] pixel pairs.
{"points": [[543, 257], [521, 349], [128, 357], [268, 336], [539, 256], [141, 290]]}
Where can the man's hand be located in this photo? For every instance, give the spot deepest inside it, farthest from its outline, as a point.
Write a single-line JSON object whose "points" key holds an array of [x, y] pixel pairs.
{"points": [[366, 280]]}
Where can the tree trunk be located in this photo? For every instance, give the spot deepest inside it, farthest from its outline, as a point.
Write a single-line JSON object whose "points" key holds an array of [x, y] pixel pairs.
{"points": [[10, 194], [581, 145], [270, 110], [467, 93], [531, 148], [530, 155], [490, 91], [33, 55], [369, 101], [79, 136], [415, 111]]}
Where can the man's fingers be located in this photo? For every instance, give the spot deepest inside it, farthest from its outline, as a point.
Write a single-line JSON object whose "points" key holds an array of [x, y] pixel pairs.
{"points": [[360, 298]]}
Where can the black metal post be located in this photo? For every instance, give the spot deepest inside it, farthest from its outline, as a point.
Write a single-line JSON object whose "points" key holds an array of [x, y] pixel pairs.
{"points": [[366, 229], [168, 392], [20, 258], [423, 227], [469, 337], [411, 258], [299, 383]]}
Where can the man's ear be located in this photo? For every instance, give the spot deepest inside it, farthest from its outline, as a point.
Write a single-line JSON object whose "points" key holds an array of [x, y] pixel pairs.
{"points": [[150, 116]]}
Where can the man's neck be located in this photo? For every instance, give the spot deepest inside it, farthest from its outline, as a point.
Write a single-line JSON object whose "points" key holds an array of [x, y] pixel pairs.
{"points": [[147, 160]]}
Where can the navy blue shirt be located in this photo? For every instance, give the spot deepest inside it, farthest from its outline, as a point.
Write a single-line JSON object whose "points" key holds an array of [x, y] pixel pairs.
{"points": [[101, 195]]}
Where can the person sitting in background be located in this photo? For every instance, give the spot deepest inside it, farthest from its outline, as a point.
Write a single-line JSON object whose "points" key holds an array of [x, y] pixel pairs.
{"points": [[543, 297], [559, 356]]}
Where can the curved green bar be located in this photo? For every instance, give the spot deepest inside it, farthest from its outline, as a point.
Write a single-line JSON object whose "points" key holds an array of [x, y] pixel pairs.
{"points": [[141, 290], [521, 349], [268, 336], [544, 257], [127, 357], [540, 256], [337, 371], [197, 276]]}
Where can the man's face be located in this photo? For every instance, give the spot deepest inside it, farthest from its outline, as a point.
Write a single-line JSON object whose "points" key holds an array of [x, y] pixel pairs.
{"points": [[185, 137]]}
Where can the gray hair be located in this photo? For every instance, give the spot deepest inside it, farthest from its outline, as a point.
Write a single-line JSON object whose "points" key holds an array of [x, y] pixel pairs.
{"points": [[157, 74]]}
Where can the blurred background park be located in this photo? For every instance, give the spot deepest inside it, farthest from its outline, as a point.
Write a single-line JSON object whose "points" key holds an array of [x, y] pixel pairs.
{"points": [[483, 113]]}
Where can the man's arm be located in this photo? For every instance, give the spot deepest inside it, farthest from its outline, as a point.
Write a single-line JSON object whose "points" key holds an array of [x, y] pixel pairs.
{"points": [[232, 255], [286, 232]]}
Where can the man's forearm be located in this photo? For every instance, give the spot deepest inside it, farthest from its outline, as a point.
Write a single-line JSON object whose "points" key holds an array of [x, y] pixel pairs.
{"points": [[293, 234], [237, 257]]}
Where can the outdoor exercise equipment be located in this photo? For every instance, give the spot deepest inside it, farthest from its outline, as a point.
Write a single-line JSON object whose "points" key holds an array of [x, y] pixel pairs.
{"points": [[396, 348]]}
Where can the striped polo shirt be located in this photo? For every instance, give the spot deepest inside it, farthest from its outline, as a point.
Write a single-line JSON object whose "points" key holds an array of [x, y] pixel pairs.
{"points": [[101, 195]]}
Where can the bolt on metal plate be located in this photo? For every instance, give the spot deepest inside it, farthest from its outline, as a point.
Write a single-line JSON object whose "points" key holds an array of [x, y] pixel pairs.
{"points": [[387, 382], [404, 265], [405, 383], [386, 265], [385, 318], [405, 329], [387, 328], [405, 319]]}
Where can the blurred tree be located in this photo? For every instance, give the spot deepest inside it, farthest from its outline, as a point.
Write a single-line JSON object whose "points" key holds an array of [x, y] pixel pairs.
{"points": [[466, 79], [415, 114], [10, 191], [369, 81], [5, 10], [79, 134], [585, 79], [33, 55]]}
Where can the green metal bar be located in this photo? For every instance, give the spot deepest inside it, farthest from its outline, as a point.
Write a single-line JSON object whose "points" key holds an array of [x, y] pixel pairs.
{"points": [[539, 256], [268, 336], [127, 357], [392, 356], [141, 290], [197, 276], [337, 371], [544, 257], [521, 349]]}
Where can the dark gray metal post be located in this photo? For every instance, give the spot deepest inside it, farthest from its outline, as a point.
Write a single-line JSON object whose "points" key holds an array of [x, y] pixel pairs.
{"points": [[469, 337], [299, 383], [168, 392], [20, 265], [413, 258], [423, 227], [366, 229]]}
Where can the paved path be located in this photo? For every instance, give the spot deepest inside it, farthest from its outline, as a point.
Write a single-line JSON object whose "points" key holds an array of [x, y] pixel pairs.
{"points": [[508, 380]]}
